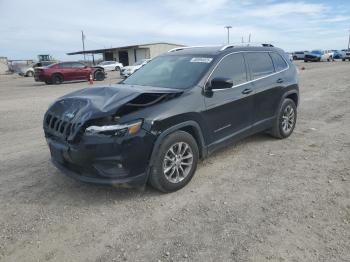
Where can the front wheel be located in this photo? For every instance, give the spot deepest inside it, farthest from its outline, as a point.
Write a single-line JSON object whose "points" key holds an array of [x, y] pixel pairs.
{"points": [[286, 119], [117, 68], [99, 76], [176, 162]]}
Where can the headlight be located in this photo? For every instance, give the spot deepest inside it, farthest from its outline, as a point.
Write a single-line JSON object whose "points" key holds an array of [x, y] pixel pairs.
{"points": [[116, 130]]}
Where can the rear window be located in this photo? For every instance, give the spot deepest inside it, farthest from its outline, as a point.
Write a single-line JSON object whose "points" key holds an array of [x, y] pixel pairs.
{"points": [[278, 61], [260, 64]]}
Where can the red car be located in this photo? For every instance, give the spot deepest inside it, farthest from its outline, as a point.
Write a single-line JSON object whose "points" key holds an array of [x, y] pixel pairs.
{"points": [[67, 71]]}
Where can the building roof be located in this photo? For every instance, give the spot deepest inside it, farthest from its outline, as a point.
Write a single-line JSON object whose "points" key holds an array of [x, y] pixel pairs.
{"points": [[99, 51]]}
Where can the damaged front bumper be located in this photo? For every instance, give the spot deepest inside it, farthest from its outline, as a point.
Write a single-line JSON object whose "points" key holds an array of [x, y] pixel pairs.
{"points": [[101, 159]]}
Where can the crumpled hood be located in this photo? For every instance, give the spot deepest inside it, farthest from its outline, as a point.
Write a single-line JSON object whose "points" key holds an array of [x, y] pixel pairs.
{"points": [[96, 102]]}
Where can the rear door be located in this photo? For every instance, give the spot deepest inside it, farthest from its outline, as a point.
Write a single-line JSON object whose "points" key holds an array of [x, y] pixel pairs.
{"points": [[229, 111], [66, 71], [268, 80]]}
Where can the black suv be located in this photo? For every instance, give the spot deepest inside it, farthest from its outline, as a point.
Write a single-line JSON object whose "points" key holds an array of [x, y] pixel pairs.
{"points": [[180, 107]]}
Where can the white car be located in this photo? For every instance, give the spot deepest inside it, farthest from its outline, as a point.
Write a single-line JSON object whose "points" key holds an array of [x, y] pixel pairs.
{"points": [[126, 71], [110, 65]]}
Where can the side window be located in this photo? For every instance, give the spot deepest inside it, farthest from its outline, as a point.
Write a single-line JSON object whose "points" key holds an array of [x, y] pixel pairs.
{"points": [[260, 64], [278, 61], [232, 66], [65, 65], [77, 65]]}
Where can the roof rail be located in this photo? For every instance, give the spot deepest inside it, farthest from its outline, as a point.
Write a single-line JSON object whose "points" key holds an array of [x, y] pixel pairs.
{"points": [[226, 47], [186, 47]]}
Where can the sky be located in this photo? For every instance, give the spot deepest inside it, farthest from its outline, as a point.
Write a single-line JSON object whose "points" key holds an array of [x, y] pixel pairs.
{"points": [[29, 28]]}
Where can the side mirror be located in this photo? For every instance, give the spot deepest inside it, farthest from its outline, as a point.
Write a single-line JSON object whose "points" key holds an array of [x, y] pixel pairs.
{"points": [[220, 83]]}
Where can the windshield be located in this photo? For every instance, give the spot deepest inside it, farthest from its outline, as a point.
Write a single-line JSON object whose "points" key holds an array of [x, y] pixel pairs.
{"points": [[106, 63], [171, 71], [316, 51]]}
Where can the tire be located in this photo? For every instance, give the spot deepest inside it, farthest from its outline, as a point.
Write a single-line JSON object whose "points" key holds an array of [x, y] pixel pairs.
{"points": [[295, 58], [343, 59], [179, 163], [30, 74], [56, 79], [117, 68], [279, 130], [99, 75]]}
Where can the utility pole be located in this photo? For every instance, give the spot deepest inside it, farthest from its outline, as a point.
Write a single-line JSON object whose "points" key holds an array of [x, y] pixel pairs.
{"points": [[228, 27], [249, 39], [83, 41], [349, 41]]}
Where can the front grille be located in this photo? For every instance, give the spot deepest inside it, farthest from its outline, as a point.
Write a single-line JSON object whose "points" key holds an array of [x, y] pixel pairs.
{"points": [[60, 128]]}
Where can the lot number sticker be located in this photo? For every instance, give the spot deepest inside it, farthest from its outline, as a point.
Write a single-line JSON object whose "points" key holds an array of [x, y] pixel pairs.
{"points": [[201, 60]]}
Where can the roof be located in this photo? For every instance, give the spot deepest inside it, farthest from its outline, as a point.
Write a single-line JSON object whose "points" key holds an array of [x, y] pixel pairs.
{"points": [[99, 51]]}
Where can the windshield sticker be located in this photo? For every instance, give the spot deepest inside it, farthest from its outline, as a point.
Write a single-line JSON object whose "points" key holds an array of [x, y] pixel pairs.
{"points": [[201, 60]]}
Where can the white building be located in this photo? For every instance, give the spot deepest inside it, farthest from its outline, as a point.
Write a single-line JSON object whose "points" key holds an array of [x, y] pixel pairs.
{"points": [[128, 55]]}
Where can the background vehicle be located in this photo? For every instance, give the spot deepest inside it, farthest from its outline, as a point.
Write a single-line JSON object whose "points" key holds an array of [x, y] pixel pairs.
{"points": [[67, 71], [181, 106], [337, 54], [128, 70], [299, 55], [110, 66], [29, 70], [319, 55], [346, 55]]}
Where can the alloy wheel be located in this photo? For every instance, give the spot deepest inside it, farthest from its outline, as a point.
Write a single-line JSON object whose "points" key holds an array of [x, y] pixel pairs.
{"points": [[178, 161], [288, 119]]}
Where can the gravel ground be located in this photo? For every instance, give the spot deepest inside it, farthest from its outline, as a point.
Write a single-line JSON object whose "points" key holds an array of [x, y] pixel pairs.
{"points": [[259, 200]]}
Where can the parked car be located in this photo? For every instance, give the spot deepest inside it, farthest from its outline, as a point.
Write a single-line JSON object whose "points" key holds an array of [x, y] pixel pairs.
{"points": [[299, 55], [28, 71], [67, 71], [346, 55], [126, 71], [337, 54], [183, 105], [110, 66], [319, 55]]}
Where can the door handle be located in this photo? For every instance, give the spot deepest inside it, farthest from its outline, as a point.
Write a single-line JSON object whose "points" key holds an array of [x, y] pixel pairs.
{"points": [[247, 91], [279, 81]]}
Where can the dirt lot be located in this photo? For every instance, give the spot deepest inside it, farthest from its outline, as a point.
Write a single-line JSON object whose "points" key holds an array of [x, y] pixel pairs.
{"points": [[259, 200]]}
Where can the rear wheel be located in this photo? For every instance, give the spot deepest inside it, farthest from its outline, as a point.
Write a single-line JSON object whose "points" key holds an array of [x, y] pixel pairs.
{"points": [[56, 79], [176, 162], [286, 120], [30, 73]]}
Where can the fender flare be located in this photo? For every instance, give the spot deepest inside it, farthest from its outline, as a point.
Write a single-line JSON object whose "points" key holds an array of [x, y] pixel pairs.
{"points": [[284, 97], [172, 129]]}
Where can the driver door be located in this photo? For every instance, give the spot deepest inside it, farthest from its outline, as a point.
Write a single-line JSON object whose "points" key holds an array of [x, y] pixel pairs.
{"points": [[229, 112]]}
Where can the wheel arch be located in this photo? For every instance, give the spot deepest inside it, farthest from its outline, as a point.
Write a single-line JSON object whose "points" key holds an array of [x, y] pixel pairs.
{"points": [[292, 95], [191, 127]]}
